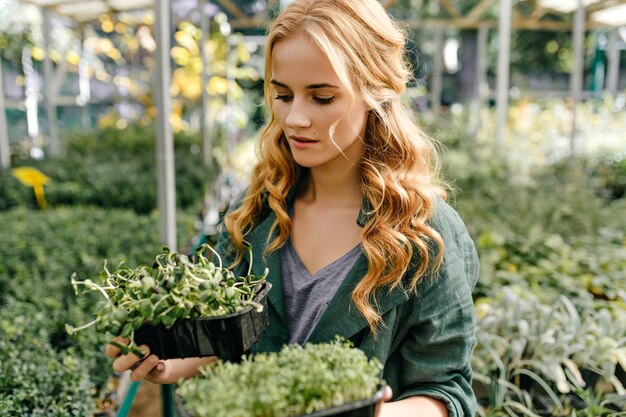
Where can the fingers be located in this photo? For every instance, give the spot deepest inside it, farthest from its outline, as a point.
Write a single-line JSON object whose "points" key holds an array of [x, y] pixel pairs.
{"points": [[125, 362], [113, 351], [142, 369], [388, 395], [161, 373]]}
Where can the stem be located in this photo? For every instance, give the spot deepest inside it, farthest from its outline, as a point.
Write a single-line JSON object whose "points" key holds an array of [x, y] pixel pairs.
{"points": [[102, 291], [159, 302], [216, 254], [191, 274], [105, 268], [86, 326], [164, 313], [249, 247]]}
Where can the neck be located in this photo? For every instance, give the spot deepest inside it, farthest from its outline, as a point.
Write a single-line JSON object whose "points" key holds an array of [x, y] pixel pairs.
{"points": [[334, 187]]}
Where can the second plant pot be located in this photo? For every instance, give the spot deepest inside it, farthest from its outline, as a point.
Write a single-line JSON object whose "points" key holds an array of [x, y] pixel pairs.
{"points": [[227, 337], [360, 408]]}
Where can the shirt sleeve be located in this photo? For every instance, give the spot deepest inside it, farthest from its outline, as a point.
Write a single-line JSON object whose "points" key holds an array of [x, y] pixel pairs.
{"points": [[437, 337]]}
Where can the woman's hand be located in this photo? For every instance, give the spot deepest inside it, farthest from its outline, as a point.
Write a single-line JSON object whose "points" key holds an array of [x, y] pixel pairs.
{"points": [[149, 368], [380, 404]]}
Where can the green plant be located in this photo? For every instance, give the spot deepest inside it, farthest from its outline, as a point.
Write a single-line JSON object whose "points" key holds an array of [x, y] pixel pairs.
{"points": [[36, 379], [40, 250], [295, 381], [598, 403], [112, 168], [175, 287]]}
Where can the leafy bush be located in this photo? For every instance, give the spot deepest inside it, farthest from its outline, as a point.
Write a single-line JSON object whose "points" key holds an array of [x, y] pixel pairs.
{"points": [[40, 250], [295, 381], [610, 176], [552, 250], [36, 379], [112, 168]]}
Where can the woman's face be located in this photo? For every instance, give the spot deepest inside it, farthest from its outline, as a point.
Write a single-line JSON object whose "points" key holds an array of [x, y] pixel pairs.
{"points": [[308, 100]]}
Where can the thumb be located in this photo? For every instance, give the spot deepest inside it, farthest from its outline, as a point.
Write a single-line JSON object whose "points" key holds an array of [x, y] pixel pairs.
{"points": [[161, 374], [387, 395]]}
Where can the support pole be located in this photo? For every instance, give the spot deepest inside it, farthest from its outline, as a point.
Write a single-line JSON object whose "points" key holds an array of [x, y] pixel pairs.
{"points": [[205, 131], [612, 72], [437, 74], [479, 81], [576, 79], [165, 149], [165, 140], [50, 90], [5, 150], [84, 87], [502, 83], [31, 101]]}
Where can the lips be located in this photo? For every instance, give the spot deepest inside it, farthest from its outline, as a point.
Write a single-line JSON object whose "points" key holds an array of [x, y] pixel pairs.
{"points": [[302, 139]]}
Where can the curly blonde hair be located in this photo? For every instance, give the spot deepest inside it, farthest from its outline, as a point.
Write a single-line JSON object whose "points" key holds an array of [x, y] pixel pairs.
{"points": [[399, 168]]}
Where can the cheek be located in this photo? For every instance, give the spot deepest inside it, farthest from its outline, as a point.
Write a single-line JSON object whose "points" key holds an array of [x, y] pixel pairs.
{"points": [[356, 122], [280, 113]]}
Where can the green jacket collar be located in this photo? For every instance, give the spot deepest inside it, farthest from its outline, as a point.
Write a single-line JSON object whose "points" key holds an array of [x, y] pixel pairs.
{"points": [[341, 316]]}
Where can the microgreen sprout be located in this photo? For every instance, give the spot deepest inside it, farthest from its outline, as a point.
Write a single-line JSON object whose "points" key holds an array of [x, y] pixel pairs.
{"points": [[174, 287], [292, 382]]}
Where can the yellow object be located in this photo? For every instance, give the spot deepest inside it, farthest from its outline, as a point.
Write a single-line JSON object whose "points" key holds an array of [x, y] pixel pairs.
{"points": [[32, 177]]}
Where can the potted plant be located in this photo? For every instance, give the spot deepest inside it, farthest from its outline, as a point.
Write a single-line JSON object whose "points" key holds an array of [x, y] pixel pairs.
{"points": [[326, 379], [180, 306]]}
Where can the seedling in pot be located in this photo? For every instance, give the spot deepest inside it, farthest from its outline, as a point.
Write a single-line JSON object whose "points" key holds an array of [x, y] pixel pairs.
{"points": [[326, 379], [174, 287]]}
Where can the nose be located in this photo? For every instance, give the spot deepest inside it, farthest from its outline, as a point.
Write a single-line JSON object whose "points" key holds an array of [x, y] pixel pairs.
{"points": [[297, 116]]}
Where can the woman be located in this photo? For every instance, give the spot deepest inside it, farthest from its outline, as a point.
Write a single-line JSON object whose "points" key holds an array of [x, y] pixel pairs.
{"points": [[347, 213]]}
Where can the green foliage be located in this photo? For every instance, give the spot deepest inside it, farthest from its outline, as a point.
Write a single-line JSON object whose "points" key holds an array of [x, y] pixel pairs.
{"points": [[295, 381], [40, 250], [36, 379], [551, 297], [175, 287], [112, 168], [13, 194], [609, 175]]}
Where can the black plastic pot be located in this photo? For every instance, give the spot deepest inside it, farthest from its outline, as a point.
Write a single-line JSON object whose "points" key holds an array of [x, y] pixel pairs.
{"points": [[227, 337], [360, 408]]}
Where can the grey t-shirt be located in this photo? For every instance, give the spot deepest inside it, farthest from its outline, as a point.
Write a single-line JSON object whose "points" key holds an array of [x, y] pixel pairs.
{"points": [[306, 296]]}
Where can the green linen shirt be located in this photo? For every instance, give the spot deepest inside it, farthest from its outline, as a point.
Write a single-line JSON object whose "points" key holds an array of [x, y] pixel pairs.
{"points": [[428, 336]]}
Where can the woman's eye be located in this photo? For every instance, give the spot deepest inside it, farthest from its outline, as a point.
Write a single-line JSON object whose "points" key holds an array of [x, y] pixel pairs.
{"points": [[324, 100], [283, 97]]}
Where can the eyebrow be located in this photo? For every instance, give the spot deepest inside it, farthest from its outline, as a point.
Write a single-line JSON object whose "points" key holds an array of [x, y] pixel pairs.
{"points": [[308, 87]]}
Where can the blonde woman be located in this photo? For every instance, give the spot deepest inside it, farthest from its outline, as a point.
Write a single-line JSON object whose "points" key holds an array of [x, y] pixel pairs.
{"points": [[345, 209]]}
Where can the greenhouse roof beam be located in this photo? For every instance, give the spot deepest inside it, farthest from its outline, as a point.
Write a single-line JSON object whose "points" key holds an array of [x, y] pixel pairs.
{"points": [[451, 8], [520, 24], [231, 7], [479, 9], [600, 13]]}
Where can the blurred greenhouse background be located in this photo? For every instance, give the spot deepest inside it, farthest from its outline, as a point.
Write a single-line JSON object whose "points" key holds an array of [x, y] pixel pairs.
{"points": [[527, 98]]}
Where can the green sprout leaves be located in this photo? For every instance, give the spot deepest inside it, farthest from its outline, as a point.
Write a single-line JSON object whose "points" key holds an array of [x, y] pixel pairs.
{"points": [[175, 286], [293, 382]]}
